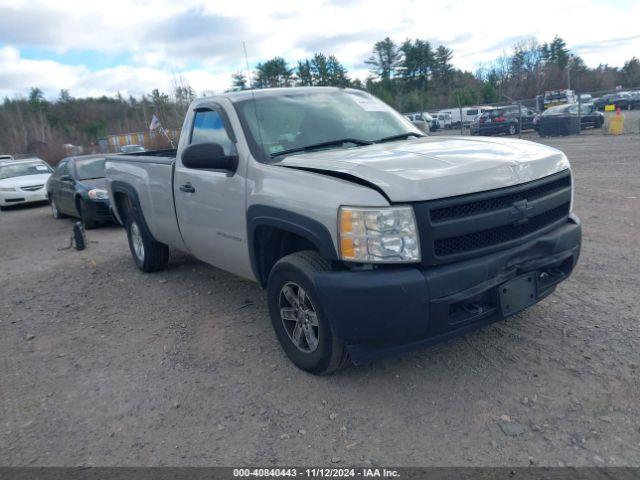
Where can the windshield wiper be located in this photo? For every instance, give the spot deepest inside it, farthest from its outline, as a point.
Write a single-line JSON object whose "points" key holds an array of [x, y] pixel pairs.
{"points": [[400, 136], [332, 143]]}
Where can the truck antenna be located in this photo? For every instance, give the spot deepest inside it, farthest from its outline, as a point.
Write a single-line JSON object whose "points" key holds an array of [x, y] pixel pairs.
{"points": [[253, 94]]}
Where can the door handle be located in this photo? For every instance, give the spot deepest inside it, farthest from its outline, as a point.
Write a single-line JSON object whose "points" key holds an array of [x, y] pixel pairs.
{"points": [[188, 188]]}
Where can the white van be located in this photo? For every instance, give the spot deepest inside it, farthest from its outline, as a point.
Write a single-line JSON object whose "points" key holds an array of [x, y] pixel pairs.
{"points": [[464, 115], [444, 119], [470, 113]]}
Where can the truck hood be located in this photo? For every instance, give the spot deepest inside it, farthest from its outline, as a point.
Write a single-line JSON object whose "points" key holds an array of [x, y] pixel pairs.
{"points": [[437, 167]]}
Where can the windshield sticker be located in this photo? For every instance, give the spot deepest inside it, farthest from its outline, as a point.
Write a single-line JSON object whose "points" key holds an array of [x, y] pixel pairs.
{"points": [[370, 104], [275, 148]]}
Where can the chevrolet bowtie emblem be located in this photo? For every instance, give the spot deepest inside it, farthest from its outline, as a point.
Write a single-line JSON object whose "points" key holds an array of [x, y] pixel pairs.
{"points": [[521, 211]]}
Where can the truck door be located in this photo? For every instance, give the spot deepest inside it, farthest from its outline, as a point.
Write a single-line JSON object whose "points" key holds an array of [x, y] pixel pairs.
{"points": [[210, 205]]}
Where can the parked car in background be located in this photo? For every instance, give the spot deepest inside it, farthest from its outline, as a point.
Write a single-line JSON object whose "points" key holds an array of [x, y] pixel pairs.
{"points": [[567, 119], [431, 121], [5, 158], [635, 99], [419, 121], [77, 188], [589, 116], [503, 120], [585, 98], [621, 100], [132, 149], [23, 181]]}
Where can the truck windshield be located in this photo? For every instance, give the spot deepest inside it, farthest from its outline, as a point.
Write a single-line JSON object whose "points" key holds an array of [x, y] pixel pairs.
{"points": [[297, 120]]}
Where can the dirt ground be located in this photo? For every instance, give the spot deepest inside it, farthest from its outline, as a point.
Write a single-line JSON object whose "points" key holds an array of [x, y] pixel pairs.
{"points": [[103, 365]]}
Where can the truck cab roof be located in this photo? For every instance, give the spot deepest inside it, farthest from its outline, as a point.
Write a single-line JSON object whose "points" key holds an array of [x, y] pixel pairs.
{"points": [[242, 95]]}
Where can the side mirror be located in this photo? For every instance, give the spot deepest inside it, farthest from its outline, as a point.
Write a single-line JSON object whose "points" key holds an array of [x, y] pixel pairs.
{"points": [[208, 156]]}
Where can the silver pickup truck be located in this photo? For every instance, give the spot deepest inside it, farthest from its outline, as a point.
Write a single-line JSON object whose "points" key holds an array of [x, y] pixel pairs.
{"points": [[370, 237]]}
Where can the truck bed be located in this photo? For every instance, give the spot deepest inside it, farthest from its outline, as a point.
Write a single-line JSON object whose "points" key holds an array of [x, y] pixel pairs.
{"points": [[167, 156], [150, 174]]}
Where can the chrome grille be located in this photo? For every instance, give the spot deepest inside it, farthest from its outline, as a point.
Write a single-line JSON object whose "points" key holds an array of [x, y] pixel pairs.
{"points": [[32, 188]]}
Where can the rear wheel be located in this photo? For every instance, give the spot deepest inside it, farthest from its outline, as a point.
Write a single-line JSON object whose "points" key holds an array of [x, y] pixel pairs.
{"points": [[54, 209], [513, 129], [149, 255], [297, 318]]}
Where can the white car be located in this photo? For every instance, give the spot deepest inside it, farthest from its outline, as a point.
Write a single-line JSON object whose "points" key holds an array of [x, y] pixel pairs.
{"points": [[23, 181]]}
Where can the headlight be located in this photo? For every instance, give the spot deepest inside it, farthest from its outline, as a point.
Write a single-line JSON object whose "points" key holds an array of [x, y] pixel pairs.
{"points": [[10, 189], [98, 194], [378, 235]]}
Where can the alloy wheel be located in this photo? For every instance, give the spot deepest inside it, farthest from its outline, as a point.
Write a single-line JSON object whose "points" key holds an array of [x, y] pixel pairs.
{"points": [[136, 241], [299, 317]]}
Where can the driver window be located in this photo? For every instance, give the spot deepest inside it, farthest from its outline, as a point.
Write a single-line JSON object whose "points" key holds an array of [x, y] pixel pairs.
{"points": [[208, 127]]}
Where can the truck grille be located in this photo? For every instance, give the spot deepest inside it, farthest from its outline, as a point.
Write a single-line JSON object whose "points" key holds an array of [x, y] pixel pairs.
{"points": [[496, 236], [460, 227], [472, 208]]}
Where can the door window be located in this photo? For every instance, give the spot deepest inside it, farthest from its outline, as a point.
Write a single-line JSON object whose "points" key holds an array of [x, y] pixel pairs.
{"points": [[62, 169], [208, 127]]}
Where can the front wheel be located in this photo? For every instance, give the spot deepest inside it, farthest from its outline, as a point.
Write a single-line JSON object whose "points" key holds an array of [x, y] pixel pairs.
{"points": [[513, 129], [149, 255], [297, 318], [85, 215]]}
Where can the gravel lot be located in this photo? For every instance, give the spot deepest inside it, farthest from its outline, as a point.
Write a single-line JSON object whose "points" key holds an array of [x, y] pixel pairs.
{"points": [[182, 367]]}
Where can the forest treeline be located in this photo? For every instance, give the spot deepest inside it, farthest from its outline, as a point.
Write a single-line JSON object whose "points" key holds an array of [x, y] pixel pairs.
{"points": [[411, 76]]}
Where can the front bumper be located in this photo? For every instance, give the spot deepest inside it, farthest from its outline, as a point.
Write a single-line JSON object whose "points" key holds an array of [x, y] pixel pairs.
{"points": [[20, 196], [391, 310], [100, 210]]}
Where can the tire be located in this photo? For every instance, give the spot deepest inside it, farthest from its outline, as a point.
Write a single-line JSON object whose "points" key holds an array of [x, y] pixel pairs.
{"points": [[513, 129], [54, 209], [325, 354], [149, 255], [88, 221]]}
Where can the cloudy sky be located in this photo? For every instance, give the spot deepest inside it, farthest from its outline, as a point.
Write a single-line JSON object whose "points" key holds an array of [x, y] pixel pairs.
{"points": [[132, 46]]}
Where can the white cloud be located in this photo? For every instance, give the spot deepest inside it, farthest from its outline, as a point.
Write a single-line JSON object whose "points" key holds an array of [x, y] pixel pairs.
{"points": [[19, 75], [203, 40]]}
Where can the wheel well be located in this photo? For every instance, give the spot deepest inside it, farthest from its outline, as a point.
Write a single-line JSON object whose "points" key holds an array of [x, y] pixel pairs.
{"points": [[271, 244], [123, 205]]}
